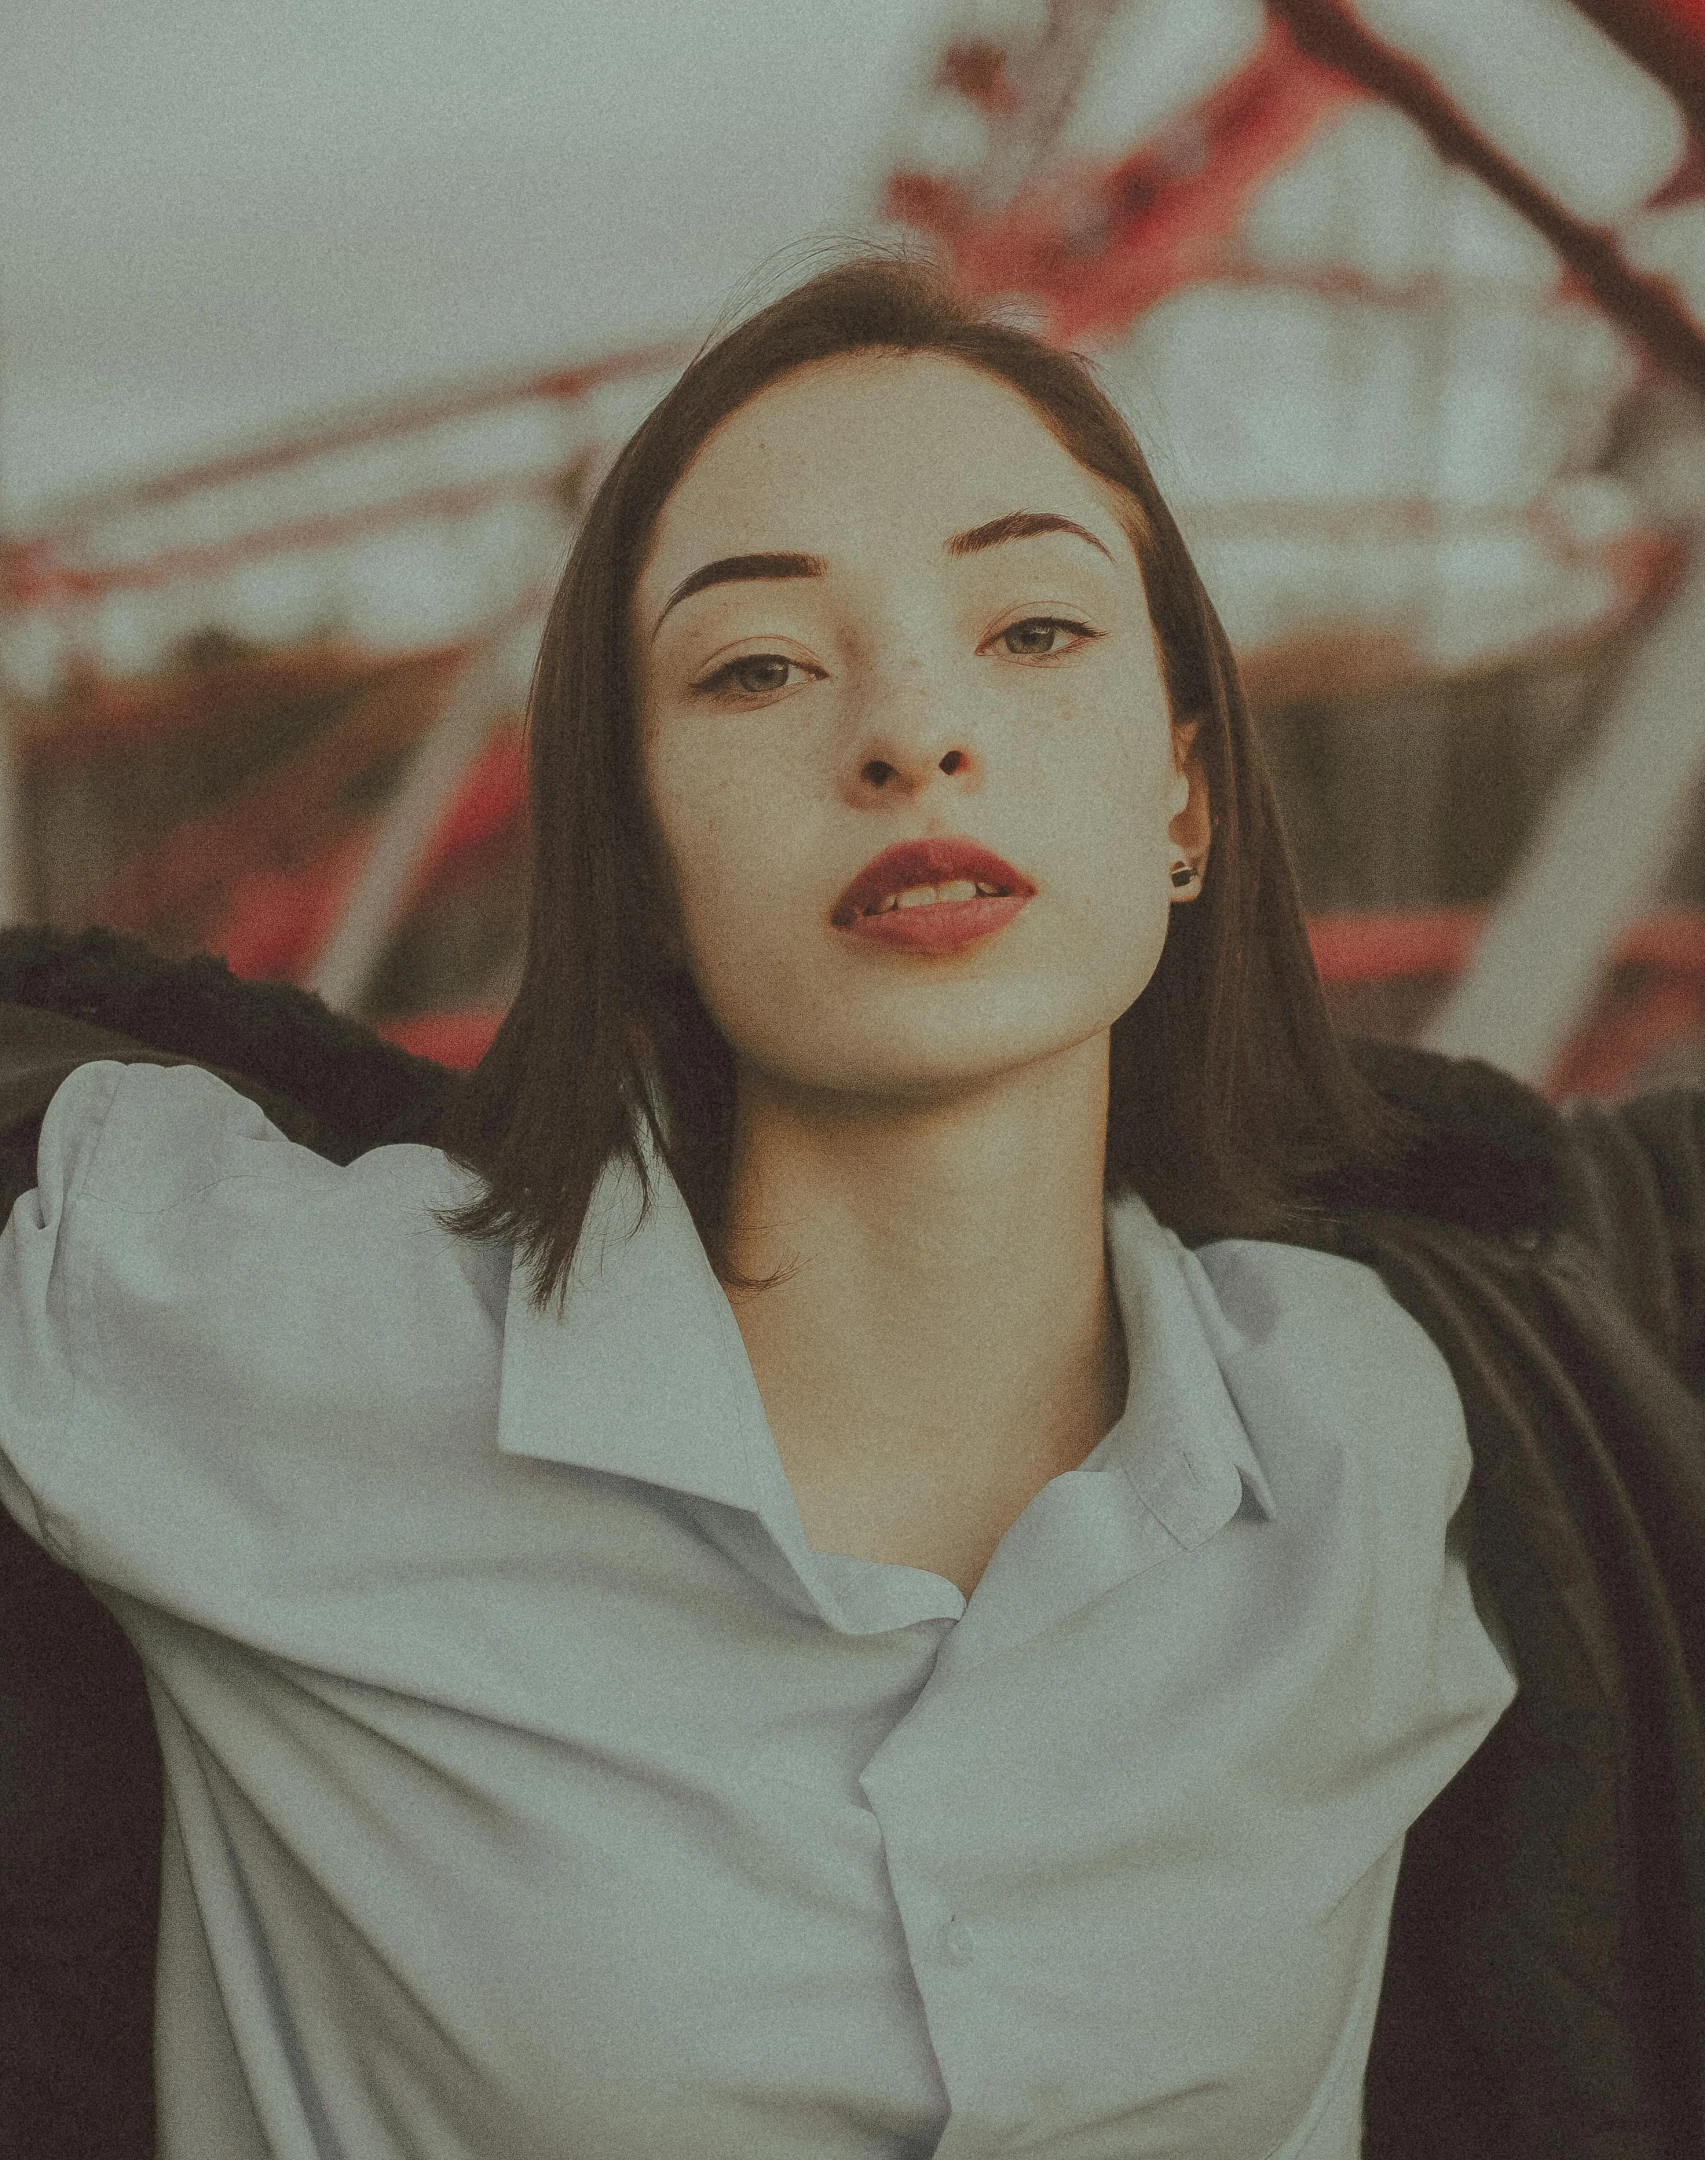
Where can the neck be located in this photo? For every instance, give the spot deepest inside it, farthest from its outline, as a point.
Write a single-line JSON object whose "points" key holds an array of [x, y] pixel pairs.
{"points": [[949, 1295]]}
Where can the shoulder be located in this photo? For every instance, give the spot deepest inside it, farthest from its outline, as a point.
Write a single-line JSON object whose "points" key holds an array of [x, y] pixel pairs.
{"points": [[236, 1327], [1319, 1345], [1262, 1286], [1330, 1322], [187, 1211], [139, 1138], [135, 1136]]}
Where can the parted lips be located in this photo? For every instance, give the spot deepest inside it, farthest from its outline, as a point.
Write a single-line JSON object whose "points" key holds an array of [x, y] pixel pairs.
{"points": [[909, 863]]}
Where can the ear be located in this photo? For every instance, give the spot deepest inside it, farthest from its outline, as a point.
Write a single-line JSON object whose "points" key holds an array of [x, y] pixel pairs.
{"points": [[1191, 827]]}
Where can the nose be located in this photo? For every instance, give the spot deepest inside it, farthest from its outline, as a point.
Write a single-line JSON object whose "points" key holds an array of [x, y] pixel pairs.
{"points": [[912, 730], [906, 775]]}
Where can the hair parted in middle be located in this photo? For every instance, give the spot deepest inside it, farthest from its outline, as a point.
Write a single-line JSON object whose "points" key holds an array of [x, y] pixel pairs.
{"points": [[1231, 1097]]}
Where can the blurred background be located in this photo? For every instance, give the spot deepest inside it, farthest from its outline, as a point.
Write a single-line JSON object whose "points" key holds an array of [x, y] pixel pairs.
{"points": [[319, 321]]}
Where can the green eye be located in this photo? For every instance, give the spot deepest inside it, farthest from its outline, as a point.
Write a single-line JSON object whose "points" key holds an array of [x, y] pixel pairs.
{"points": [[1044, 626], [752, 675]]}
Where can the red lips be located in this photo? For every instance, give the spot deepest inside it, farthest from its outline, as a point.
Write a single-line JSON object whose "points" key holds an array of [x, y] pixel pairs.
{"points": [[924, 862]]}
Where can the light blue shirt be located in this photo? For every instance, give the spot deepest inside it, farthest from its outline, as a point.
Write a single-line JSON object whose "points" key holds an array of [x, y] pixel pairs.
{"points": [[535, 1791]]}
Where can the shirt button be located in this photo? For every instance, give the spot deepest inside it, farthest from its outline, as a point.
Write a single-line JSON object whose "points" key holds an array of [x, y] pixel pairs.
{"points": [[959, 1942]]}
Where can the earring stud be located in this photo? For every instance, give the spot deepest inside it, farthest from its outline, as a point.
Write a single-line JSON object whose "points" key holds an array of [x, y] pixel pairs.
{"points": [[1185, 873]]}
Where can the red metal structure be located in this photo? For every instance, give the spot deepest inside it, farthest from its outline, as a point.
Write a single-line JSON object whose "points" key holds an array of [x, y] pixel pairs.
{"points": [[297, 792], [1097, 240], [228, 791]]}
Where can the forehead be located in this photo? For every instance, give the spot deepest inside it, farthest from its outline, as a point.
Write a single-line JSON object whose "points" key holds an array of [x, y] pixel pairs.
{"points": [[863, 441]]}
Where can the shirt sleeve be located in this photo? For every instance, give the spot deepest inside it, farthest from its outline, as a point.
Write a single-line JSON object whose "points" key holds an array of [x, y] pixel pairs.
{"points": [[39, 1315], [217, 1343]]}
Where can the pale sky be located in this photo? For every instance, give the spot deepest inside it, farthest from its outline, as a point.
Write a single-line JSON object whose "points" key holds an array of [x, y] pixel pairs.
{"points": [[222, 217]]}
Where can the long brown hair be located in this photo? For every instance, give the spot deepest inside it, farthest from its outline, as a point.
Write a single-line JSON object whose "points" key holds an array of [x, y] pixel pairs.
{"points": [[1230, 1095]]}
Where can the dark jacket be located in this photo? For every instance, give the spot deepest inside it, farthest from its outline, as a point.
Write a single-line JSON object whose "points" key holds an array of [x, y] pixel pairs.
{"points": [[1545, 1982]]}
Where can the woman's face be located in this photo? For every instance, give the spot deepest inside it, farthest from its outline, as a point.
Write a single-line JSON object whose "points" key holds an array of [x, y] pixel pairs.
{"points": [[906, 686]]}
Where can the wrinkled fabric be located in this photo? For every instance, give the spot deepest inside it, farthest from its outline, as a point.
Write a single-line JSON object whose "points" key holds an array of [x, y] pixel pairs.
{"points": [[1545, 1984], [534, 1787], [1542, 1991]]}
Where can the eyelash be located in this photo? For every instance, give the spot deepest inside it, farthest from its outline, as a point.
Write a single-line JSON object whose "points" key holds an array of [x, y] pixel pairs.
{"points": [[714, 683], [1046, 622]]}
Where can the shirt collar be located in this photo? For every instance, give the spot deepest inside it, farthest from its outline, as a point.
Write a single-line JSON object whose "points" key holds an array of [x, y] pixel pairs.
{"points": [[1181, 1439], [645, 1372]]}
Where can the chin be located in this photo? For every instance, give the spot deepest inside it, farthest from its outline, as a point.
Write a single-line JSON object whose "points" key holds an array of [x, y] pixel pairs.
{"points": [[924, 1069]]}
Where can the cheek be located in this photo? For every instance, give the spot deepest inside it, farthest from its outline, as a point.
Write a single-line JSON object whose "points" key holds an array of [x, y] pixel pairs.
{"points": [[1108, 842], [728, 844], [687, 807], [1106, 814]]}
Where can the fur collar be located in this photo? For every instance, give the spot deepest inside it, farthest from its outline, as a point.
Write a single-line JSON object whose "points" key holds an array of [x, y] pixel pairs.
{"points": [[1492, 1151], [1489, 1157], [366, 1090]]}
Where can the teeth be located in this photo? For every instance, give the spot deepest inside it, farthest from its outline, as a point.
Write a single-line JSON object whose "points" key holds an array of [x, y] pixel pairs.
{"points": [[926, 895]]}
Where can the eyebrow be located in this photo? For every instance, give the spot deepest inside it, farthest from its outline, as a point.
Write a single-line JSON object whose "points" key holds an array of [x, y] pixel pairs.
{"points": [[733, 569], [1019, 525]]}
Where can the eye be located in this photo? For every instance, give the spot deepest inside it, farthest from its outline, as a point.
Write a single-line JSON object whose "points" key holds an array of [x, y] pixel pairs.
{"points": [[752, 675], [1045, 628]]}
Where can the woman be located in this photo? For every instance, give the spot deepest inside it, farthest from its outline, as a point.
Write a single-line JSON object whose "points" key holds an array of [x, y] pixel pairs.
{"points": [[837, 1570]]}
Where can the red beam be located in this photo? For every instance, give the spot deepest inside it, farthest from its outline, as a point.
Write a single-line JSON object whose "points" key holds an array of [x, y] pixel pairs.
{"points": [[457, 1039], [370, 423], [1645, 305], [1606, 1057], [1381, 947], [31, 576]]}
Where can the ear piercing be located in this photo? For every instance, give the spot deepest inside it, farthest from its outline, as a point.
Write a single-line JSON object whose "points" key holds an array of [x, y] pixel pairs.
{"points": [[1184, 873]]}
